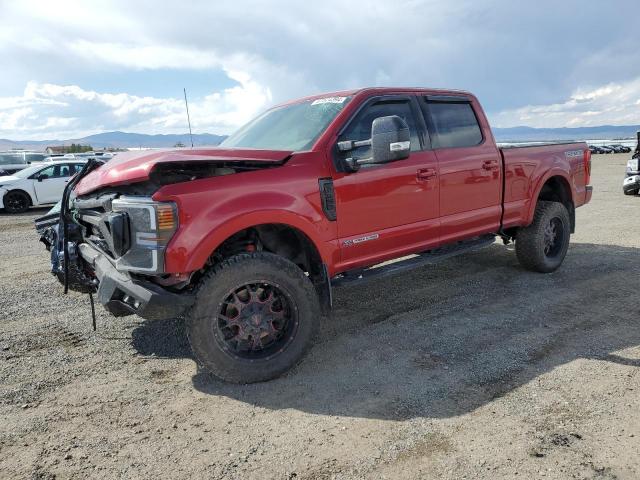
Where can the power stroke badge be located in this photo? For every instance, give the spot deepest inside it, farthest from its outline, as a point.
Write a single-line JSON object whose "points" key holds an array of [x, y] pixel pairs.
{"points": [[355, 241]]}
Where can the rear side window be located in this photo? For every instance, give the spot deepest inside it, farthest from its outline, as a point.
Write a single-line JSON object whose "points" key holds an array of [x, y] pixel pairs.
{"points": [[360, 127], [66, 170], [455, 124], [75, 168]]}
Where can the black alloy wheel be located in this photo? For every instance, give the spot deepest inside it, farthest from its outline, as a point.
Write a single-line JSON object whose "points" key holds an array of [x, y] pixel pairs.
{"points": [[16, 202], [255, 315], [256, 320], [553, 237], [542, 246]]}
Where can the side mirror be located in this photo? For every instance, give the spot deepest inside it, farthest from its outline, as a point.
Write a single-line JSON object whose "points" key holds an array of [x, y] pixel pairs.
{"points": [[390, 139], [42, 176]]}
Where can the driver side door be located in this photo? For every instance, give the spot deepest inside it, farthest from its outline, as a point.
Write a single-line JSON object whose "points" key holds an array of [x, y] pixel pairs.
{"points": [[49, 183], [386, 210]]}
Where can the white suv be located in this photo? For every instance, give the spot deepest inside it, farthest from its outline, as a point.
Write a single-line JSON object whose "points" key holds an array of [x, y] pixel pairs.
{"points": [[36, 185]]}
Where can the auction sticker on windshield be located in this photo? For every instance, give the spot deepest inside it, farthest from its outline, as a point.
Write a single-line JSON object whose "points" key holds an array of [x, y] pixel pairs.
{"points": [[321, 101]]}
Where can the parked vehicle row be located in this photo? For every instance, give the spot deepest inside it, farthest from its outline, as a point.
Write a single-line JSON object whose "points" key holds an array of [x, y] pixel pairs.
{"points": [[601, 149], [15, 160], [11, 162]]}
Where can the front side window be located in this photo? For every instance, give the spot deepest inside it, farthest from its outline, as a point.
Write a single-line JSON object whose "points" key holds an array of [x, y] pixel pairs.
{"points": [[455, 124], [360, 127], [293, 127], [56, 171]]}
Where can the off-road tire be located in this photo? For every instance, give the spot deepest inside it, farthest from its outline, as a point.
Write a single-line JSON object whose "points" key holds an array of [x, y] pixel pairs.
{"points": [[205, 339], [530, 240], [11, 207]]}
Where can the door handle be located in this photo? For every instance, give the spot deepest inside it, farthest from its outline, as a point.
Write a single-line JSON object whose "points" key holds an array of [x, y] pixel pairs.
{"points": [[490, 164], [426, 173]]}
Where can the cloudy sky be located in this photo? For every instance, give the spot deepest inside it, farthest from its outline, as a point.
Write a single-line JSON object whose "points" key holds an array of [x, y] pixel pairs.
{"points": [[69, 69]]}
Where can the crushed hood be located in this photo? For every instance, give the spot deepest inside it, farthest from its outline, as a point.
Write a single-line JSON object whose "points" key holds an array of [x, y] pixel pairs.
{"points": [[133, 167]]}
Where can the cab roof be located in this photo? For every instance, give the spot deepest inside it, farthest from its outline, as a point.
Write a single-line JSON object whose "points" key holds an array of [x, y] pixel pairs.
{"points": [[377, 91]]}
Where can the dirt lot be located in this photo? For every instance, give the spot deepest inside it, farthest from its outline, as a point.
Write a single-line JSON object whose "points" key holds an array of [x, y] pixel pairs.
{"points": [[471, 369]]}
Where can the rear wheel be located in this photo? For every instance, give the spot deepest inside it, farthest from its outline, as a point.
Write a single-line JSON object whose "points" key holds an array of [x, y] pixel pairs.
{"points": [[542, 246], [16, 202], [254, 318]]}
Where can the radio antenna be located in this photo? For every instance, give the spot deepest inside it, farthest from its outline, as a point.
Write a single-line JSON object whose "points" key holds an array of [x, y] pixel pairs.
{"points": [[186, 104]]}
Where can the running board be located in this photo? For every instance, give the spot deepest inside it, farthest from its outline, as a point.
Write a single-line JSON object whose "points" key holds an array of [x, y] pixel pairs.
{"points": [[429, 257]]}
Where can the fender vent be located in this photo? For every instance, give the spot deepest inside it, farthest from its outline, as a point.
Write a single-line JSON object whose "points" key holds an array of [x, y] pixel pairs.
{"points": [[328, 197]]}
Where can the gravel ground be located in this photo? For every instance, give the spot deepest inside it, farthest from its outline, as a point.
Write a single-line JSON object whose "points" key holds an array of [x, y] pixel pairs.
{"points": [[473, 368]]}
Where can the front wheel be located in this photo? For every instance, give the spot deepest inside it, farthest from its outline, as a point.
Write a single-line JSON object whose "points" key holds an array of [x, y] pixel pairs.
{"points": [[542, 246], [16, 202], [254, 318]]}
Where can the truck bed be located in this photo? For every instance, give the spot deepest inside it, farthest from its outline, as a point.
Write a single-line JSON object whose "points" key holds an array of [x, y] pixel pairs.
{"points": [[527, 167], [505, 146]]}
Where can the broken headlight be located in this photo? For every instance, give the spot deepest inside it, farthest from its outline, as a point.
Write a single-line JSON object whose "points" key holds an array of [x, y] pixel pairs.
{"points": [[150, 227]]}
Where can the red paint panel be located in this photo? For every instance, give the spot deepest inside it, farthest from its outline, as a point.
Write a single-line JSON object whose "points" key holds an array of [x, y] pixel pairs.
{"points": [[527, 170], [386, 196], [213, 209]]}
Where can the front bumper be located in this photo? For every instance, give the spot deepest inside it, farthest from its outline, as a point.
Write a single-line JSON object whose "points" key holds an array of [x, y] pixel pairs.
{"points": [[121, 294]]}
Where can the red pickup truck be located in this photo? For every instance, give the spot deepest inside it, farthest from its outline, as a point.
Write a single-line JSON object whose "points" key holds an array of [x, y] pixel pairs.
{"points": [[247, 240]]}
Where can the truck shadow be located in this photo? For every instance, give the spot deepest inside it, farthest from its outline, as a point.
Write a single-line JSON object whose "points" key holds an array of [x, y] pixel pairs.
{"points": [[445, 340]]}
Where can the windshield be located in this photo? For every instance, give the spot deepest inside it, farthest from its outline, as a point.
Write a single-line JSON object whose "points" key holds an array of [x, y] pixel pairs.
{"points": [[25, 172], [292, 127]]}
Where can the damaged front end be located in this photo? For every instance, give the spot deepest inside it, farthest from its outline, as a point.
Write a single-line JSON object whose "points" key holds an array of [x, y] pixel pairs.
{"points": [[111, 241], [78, 277], [113, 245], [57, 226]]}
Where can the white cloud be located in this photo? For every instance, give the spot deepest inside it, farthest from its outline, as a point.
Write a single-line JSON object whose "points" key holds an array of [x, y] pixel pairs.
{"points": [[141, 57], [614, 103], [68, 111], [509, 53]]}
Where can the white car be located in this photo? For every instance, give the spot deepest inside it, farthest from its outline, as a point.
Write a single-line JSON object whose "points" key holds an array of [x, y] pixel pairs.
{"points": [[40, 184]]}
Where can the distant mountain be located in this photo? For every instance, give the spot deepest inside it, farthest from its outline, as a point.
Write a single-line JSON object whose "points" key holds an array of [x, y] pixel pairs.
{"points": [[123, 140], [135, 140], [602, 132], [119, 140]]}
